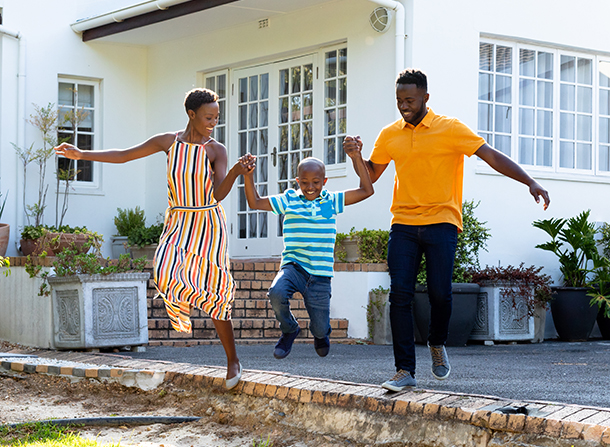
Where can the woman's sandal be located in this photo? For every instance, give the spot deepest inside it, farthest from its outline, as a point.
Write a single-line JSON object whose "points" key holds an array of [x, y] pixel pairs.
{"points": [[233, 381]]}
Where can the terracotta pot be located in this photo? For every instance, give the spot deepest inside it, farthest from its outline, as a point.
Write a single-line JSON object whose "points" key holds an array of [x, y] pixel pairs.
{"points": [[57, 242], [5, 232], [30, 247], [52, 244]]}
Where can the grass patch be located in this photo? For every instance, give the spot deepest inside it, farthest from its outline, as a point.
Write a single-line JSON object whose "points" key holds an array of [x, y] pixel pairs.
{"points": [[36, 434]]}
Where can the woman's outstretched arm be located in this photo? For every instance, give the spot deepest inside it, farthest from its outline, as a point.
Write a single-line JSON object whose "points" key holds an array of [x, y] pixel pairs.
{"points": [[158, 143]]}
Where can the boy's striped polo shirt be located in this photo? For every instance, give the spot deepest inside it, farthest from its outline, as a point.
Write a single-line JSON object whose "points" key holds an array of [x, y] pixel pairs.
{"points": [[309, 228]]}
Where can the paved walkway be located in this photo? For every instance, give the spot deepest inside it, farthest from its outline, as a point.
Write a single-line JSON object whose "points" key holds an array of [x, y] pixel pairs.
{"points": [[562, 386]]}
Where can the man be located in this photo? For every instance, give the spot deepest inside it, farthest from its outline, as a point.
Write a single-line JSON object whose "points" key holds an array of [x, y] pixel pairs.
{"points": [[428, 152]]}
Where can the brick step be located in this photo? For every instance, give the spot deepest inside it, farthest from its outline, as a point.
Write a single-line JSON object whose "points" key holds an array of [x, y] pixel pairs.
{"points": [[242, 308], [242, 341], [243, 328]]}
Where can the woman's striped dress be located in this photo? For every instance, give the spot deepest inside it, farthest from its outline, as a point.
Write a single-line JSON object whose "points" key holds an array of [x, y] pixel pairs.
{"points": [[191, 266]]}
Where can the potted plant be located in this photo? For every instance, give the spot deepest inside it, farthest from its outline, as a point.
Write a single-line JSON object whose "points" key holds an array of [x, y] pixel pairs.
{"points": [[362, 246], [125, 222], [465, 293], [573, 242], [5, 229], [38, 238], [143, 241], [96, 302], [512, 303]]}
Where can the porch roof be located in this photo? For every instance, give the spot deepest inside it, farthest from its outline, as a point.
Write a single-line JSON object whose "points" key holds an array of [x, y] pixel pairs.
{"points": [[156, 21]]}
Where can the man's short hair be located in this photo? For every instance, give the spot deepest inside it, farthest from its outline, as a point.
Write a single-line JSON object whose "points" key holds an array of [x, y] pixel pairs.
{"points": [[413, 76], [198, 97]]}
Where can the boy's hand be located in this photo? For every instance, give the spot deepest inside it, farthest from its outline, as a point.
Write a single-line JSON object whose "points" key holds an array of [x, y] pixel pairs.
{"points": [[352, 146]]}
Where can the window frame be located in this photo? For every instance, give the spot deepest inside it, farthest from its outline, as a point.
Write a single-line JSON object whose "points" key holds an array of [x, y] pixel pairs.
{"points": [[93, 187], [555, 171]]}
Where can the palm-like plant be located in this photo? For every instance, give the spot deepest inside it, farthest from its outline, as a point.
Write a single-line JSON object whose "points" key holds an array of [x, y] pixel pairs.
{"points": [[573, 241]]}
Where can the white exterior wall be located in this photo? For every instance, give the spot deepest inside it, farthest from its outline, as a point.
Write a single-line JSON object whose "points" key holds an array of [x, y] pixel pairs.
{"points": [[54, 49]]}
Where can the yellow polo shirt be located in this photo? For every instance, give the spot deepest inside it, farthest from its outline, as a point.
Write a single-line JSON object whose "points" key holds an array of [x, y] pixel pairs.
{"points": [[429, 162]]}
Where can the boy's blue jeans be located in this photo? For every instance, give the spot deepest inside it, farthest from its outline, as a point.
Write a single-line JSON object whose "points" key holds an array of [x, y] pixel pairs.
{"points": [[316, 294], [405, 247]]}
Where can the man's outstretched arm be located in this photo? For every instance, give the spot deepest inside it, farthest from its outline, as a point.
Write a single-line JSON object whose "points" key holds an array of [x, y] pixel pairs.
{"points": [[504, 165]]}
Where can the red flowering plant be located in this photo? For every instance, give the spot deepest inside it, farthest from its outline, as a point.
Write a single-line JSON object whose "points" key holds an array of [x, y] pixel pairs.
{"points": [[527, 283]]}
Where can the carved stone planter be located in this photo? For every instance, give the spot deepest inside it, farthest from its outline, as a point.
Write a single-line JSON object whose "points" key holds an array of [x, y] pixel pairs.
{"points": [[378, 317], [501, 319], [96, 311]]}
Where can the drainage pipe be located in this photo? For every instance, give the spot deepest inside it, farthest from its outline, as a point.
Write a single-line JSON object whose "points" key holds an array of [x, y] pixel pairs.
{"points": [[399, 57], [113, 420], [20, 119]]}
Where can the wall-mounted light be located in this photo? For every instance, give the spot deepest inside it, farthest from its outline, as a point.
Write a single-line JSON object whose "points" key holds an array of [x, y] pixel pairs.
{"points": [[380, 19]]}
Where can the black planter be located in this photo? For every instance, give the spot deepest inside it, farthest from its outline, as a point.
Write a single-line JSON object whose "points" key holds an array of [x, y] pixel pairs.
{"points": [[573, 316], [463, 314], [604, 325]]}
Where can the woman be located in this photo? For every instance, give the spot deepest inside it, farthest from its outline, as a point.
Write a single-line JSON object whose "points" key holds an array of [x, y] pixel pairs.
{"points": [[191, 266]]}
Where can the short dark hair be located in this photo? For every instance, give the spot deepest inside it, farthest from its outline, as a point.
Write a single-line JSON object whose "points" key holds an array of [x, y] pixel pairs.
{"points": [[198, 97], [413, 76], [311, 164]]}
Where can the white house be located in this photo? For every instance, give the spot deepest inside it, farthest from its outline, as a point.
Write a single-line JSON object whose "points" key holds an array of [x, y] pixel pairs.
{"points": [[294, 77]]}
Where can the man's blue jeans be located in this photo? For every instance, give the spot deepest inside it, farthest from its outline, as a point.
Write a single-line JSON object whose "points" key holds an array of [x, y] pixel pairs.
{"points": [[405, 248], [316, 294]]}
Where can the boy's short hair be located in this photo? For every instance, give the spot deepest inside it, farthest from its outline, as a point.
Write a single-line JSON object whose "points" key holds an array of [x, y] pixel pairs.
{"points": [[197, 97], [312, 160], [413, 76]]}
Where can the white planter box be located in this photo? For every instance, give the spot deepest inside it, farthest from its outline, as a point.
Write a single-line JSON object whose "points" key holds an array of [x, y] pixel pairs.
{"points": [[498, 319], [97, 311]]}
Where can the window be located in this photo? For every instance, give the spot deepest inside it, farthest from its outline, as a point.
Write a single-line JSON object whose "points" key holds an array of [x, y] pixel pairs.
{"points": [[335, 105], [218, 83], [538, 105], [77, 114]]}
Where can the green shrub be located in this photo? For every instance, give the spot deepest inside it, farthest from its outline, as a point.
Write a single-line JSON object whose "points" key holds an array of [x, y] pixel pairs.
{"points": [[129, 219], [372, 245], [142, 236], [37, 231]]}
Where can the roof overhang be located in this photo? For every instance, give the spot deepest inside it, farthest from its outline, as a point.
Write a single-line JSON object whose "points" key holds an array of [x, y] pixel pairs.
{"points": [[139, 15], [152, 21]]}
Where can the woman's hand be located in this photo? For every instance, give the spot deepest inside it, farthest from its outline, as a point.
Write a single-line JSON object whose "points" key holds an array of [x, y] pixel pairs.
{"points": [[69, 151]]}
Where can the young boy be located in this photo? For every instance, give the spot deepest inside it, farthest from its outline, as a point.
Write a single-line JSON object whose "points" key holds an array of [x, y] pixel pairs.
{"points": [[309, 242]]}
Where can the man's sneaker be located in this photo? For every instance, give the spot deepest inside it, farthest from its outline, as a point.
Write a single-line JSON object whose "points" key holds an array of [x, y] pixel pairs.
{"points": [[440, 362], [401, 380], [284, 345], [322, 346]]}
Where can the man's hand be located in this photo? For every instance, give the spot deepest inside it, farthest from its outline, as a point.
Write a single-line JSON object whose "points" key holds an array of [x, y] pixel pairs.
{"points": [[352, 146], [536, 190]]}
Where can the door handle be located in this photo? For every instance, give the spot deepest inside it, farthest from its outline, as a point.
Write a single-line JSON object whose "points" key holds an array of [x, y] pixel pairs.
{"points": [[274, 155]]}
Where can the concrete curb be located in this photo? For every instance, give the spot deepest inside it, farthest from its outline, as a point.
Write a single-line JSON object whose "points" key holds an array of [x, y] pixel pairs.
{"points": [[460, 419]]}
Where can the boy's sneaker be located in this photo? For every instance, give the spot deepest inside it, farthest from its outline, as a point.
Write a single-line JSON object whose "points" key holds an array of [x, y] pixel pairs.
{"points": [[284, 345], [401, 380], [322, 346], [440, 362]]}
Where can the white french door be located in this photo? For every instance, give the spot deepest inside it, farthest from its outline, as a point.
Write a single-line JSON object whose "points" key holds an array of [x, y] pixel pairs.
{"points": [[272, 110]]}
